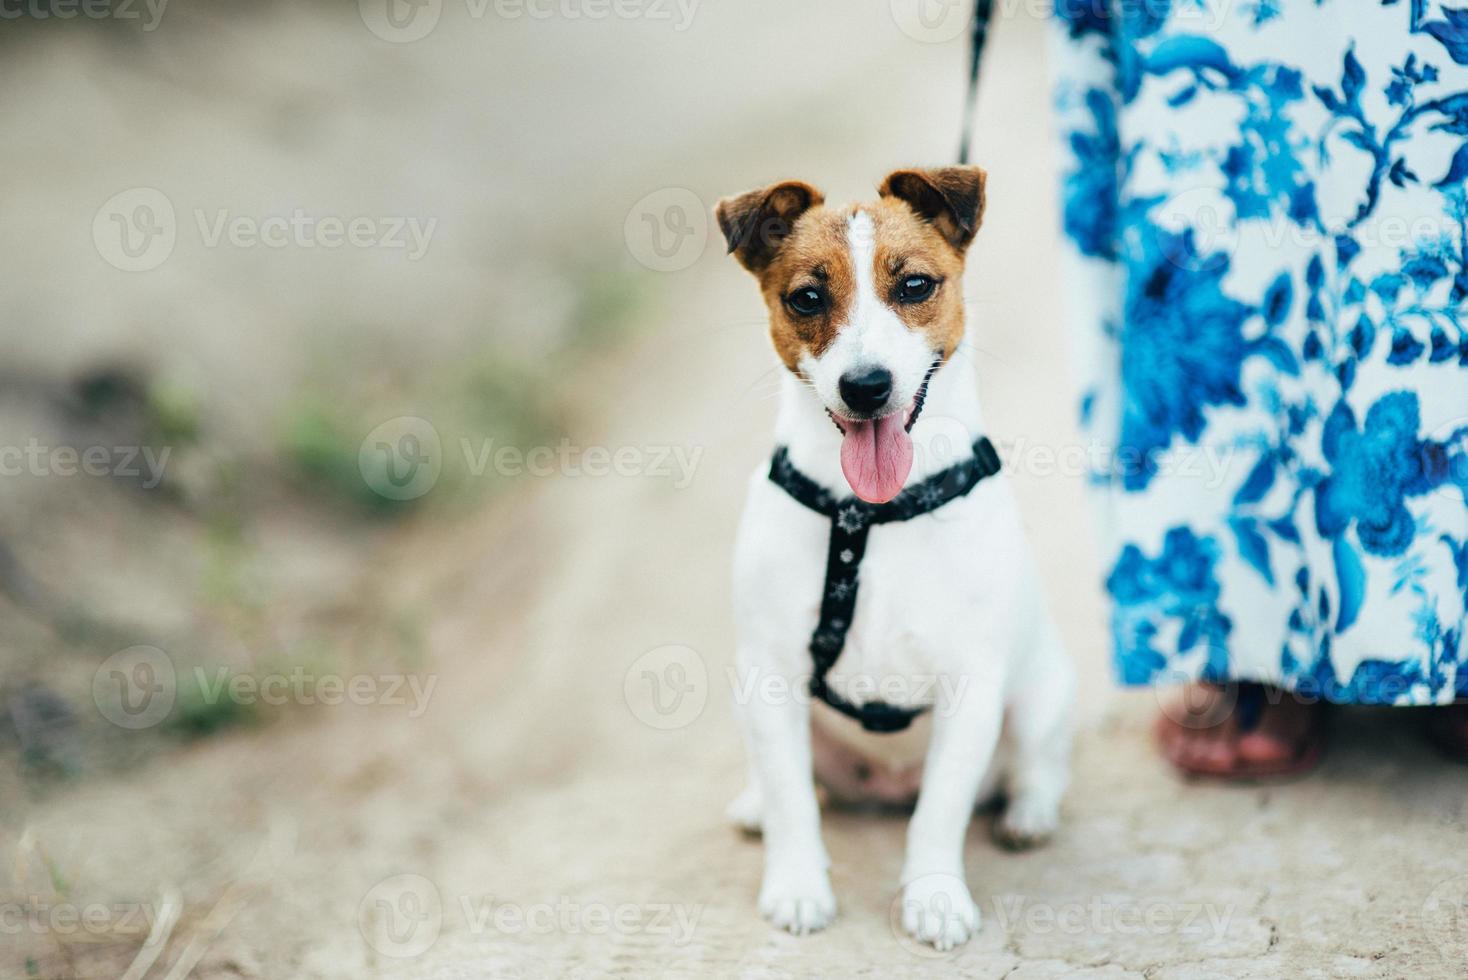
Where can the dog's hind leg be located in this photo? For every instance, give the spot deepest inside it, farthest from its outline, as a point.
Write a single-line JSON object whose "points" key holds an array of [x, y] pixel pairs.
{"points": [[747, 810], [1038, 726]]}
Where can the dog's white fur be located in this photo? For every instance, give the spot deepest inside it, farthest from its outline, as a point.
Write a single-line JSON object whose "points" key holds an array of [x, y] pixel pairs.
{"points": [[949, 614]]}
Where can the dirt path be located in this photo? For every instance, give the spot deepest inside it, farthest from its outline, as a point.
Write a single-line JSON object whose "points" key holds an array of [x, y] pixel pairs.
{"points": [[548, 829], [539, 818]]}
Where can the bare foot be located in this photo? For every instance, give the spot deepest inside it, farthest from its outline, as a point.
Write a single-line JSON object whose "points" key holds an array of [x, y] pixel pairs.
{"points": [[1243, 731]]}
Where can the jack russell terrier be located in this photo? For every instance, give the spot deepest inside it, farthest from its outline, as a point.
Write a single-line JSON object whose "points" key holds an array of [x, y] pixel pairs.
{"points": [[949, 628]]}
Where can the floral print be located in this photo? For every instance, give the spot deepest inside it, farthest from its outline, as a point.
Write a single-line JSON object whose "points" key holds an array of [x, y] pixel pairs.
{"points": [[1266, 229]]}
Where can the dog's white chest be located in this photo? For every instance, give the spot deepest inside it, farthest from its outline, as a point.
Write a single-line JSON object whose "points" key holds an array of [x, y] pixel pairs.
{"points": [[929, 593]]}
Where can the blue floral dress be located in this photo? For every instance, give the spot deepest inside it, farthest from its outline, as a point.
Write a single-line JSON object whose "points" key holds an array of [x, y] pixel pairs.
{"points": [[1267, 273]]}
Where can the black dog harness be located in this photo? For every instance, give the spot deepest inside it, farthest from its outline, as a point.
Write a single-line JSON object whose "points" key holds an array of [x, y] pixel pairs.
{"points": [[851, 520]]}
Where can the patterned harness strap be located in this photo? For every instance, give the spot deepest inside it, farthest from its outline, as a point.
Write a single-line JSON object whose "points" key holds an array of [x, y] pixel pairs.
{"points": [[851, 521]]}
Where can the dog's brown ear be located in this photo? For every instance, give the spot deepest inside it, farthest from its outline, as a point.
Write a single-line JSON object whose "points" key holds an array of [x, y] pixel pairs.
{"points": [[951, 199], [756, 222]]}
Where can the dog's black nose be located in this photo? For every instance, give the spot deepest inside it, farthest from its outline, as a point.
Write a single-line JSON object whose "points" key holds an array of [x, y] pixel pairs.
{"points": [[866, 389]]}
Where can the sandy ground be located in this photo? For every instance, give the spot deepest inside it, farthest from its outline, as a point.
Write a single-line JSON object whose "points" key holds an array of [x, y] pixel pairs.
{"points": [[552, 812]]}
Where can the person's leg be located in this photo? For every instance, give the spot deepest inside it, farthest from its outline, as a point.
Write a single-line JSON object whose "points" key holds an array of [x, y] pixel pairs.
{"points": [[1243, 731]]}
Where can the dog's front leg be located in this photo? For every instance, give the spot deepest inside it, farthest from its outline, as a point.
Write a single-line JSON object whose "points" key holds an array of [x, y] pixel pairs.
{"points": [[796, 894], [936, 905]]}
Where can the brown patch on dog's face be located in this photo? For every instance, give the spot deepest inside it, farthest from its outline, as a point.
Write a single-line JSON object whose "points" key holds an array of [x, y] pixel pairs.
{"points": [[803, 255], [909, 250], [814, 262]]}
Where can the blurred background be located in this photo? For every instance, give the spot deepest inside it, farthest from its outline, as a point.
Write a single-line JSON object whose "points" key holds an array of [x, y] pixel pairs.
{"points": [[377, 404]]}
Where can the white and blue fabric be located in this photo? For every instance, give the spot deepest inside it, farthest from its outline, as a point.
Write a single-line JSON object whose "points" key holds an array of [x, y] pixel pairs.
{"points": [[1266, 265]]}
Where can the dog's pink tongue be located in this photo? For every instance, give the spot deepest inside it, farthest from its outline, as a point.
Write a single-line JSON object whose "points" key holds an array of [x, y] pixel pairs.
{"points": [[876, 457]]}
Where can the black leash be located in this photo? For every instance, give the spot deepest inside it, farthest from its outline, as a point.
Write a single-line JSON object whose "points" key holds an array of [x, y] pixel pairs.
{"points": [[983, 11], [851, 520]]}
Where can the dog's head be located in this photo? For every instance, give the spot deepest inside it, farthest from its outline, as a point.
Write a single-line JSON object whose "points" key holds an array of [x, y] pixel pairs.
{"points": [[865, 301]]}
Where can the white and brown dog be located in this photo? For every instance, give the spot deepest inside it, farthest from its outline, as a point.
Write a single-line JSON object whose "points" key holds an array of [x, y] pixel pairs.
{"points": [[866, 314]]}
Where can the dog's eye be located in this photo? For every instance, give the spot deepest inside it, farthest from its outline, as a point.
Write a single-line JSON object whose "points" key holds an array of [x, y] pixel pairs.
{"points": [[915, 289], [806, 301]]}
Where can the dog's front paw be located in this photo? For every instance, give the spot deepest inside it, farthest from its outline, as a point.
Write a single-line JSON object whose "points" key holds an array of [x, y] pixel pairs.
{"points": [[799, 901], [938, 909]]}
